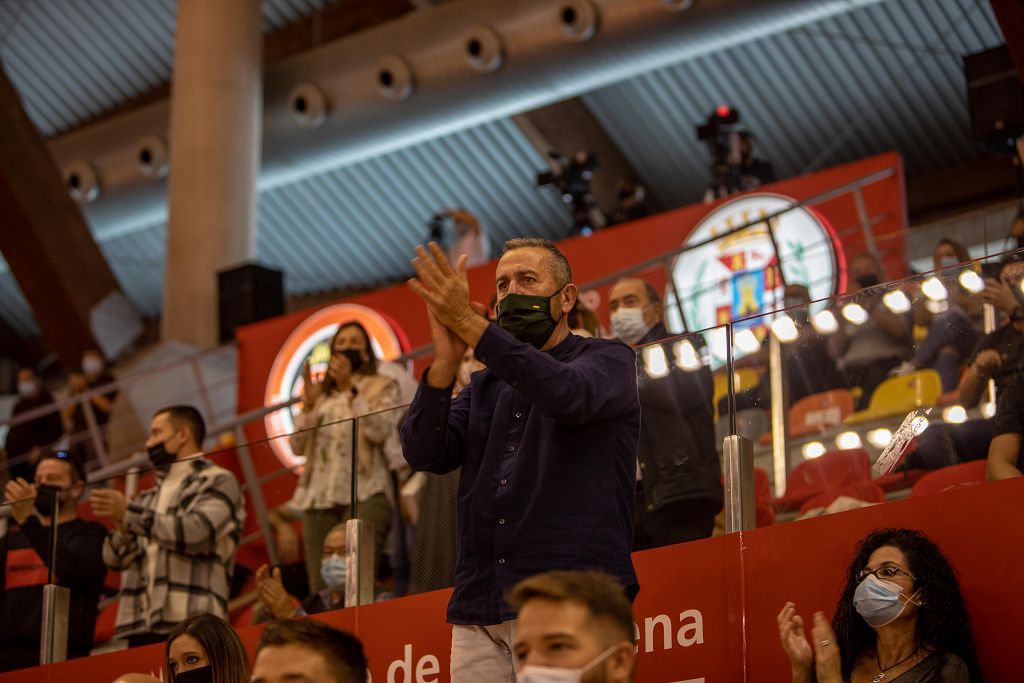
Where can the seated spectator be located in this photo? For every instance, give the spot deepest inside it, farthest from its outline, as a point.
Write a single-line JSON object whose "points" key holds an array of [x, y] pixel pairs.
{"points": [[572, 626], [1004, 455], [900, 616], [175, 543], [631, 202], [807, 361], [868, 352], [942, 445], [94, 374], [205, 649], [25, 558], [275, 601], [26, 441], [953, 333], [307, 650], [680, 488], [351, 387], [137, 678]]}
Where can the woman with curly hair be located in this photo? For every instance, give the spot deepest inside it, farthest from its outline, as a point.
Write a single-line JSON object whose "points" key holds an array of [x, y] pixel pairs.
{"points": [[901, 616]]}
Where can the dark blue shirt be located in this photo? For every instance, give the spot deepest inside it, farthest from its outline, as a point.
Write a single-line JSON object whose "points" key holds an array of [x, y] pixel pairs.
{"points": [[547, 442]]}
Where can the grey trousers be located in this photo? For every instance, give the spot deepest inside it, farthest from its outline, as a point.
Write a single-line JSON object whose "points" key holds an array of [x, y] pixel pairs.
{"points": [[483, 653]]}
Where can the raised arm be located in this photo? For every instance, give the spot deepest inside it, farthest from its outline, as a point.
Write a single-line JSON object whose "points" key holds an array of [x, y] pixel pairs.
{"points": [[198, 524], [434, 432]]}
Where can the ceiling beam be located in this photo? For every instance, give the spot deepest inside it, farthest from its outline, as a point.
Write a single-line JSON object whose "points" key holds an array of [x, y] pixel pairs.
{"points": [[1010, 15], [333, 21], [568, 127], [44, 239]]}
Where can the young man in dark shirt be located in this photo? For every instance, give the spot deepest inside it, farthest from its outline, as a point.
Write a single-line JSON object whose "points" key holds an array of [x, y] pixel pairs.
{"points": [[25, 558], [546, 437]]}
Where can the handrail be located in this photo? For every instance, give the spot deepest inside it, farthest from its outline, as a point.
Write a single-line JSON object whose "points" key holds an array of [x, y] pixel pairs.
{"points": [[426, 349], [118, 384], [840, 190]]}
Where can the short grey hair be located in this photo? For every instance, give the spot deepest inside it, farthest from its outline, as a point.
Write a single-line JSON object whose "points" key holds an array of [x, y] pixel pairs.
{"points": [[558, 265]]}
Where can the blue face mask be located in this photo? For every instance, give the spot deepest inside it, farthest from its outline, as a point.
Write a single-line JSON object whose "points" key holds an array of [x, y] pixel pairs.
{"points": [[879, 602], [332, 571], [947, 261]]}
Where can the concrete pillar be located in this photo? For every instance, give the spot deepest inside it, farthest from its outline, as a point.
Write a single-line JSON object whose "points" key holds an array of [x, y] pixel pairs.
{"points": [[216, 100]]}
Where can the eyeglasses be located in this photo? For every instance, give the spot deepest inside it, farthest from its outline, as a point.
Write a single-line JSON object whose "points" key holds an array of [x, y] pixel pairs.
{"points": [[887, 571]]}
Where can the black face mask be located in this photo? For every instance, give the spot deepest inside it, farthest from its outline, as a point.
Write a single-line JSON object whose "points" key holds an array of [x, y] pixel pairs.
{"points": [[355, 358], [527, 317], [44, 499], [203, 674], [159, 456], [869, 280]]}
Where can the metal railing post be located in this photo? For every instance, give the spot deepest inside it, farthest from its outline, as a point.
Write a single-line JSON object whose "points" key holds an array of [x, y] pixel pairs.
{"points": [[204, 396], [779, 414], [53, 636], [360, 550], [989, 321], [865, 222], [255, 494], [94, 432], [738, 457]]}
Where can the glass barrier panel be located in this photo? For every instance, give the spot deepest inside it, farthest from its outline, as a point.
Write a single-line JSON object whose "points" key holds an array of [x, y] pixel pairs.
{"points": [[847, 372], [682, 388]]}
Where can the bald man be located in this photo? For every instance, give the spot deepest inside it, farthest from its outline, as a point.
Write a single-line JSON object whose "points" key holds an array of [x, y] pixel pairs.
{"points": [[136, 678], [680, 490]]}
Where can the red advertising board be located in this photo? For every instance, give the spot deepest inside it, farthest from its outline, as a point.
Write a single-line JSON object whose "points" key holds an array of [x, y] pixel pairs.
{"points": [[706, 610]]}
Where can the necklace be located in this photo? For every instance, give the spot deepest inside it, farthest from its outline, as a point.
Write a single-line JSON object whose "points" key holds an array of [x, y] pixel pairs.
{"points": [[881, 672]]}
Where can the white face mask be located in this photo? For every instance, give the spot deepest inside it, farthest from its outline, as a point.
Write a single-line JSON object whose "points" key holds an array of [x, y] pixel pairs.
{"points": [[628, 325], [27, 388], [531, 673]]}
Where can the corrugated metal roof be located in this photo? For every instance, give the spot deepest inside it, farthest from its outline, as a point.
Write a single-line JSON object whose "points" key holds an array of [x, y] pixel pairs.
{"points": [[358, 225], [72, 60], [886, 76]]}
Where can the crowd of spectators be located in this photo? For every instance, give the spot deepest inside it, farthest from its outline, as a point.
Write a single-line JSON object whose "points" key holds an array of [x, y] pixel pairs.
{"points": [[67, 429], [659, 479]]}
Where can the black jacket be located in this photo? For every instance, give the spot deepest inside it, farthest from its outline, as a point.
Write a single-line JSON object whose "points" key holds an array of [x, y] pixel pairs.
{"points": [[678, 458]]}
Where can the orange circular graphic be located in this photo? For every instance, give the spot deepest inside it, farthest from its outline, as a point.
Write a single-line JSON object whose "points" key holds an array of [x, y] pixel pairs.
{"points": [[310, 341]]}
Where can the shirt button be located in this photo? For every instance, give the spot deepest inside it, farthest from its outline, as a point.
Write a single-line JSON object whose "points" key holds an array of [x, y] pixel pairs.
{"points": [[501, 560], [518, 415], [501, 521], [503, 482], [511, 449]]}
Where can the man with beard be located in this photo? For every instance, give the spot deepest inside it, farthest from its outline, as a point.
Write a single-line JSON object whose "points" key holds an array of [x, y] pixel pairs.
{"points": [[25, 561]]}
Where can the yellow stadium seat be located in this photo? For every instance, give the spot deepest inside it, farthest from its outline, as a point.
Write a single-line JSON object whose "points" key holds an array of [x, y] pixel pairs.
{"points": [[899, 395]]}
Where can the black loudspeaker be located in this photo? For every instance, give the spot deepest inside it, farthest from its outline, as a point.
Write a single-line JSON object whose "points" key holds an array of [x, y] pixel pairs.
{"points": [[995, 95], [248, 294]]}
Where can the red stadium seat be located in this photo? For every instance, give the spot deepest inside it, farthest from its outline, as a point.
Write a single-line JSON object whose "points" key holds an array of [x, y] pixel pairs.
{"points": [[898, 481], [953, 477], [817, 412], [763, 498], [866, 491], [829, 473], [106, 621]]}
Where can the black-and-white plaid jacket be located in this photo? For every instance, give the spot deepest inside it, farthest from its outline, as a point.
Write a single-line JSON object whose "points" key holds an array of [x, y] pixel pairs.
{"points": [[197, 538]]}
